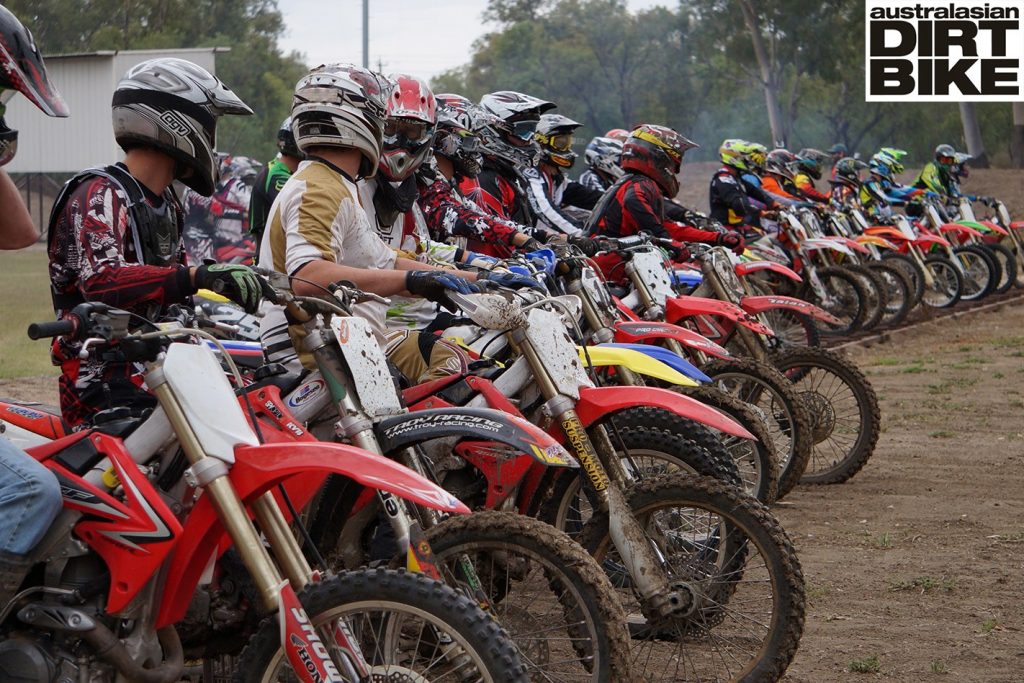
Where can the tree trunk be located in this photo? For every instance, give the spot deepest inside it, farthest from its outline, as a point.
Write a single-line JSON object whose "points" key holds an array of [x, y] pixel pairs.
{"points": [[769, 81], [972, 134], [1017, 136]]}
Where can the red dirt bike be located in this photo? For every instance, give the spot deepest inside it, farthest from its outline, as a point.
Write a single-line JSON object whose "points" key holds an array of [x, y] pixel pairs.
{"points": [[151, 503]]}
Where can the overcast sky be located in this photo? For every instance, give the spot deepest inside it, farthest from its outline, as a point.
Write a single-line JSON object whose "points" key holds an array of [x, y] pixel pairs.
{"points": [[421, 37]]}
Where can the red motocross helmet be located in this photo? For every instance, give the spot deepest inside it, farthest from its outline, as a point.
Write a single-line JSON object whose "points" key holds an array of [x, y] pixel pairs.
{"points": [[408, 128], [656, 152], [22, 70]]}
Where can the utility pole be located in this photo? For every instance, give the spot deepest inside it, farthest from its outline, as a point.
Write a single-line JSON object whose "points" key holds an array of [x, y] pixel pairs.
{"points": [[366, 34]]}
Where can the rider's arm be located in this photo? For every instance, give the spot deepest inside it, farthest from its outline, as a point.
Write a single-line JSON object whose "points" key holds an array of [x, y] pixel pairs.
{"points": [[547, 213], [16, 227], [447, 213], [644, 204], [581, 196]]}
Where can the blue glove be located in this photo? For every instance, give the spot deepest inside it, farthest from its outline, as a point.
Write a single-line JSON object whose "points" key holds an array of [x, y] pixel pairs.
{"points": [[510, 280], [435, 285], [479, 260], [972, 197], [931, 195]]}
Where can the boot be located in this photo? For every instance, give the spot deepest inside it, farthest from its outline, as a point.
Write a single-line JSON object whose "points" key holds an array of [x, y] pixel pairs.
{"points": [[13, 569]]}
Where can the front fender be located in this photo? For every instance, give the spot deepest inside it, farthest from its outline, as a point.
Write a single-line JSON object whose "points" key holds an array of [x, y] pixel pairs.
{"points": [[959, 229], [928, 241], [597, 402], [679, 307], [669, 358], [302, 468], [743, 269], [886, 231], [877, 241], [630, 332], [989, 226], [477, 424], [759, 304], [636, 360]]}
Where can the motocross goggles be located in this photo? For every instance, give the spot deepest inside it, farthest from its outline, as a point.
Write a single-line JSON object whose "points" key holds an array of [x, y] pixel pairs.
{"points": [[407, 134], [525, 129]]}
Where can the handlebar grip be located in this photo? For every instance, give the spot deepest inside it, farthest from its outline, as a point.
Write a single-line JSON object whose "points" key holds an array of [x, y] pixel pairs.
{"points": [[55, 328]]}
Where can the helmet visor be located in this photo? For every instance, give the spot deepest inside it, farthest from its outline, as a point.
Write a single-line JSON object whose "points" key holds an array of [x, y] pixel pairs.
{"points": [[524, 130], [946, 161]]}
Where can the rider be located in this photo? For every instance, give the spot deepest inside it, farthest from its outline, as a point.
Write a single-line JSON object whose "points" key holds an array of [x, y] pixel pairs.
{"points": [[732, 199], [880, 191], [317, 229], [115, 232], [272, 178], [548, 188], [846, 182], [602, 156], [619, 134], [30, 495], [220, 221], [651, 159], [508, 149], [777, 180], [448, 213], [808, 169], [389, 200], [937, 175]]}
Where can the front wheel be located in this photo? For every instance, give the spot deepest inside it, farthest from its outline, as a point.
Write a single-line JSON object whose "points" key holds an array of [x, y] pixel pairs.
{"points": [[898, 290], [845, 414], [978, 271], [546, 591], [843, 295], [946, 286], [732, 559], [1007, 261], [407, 627]]}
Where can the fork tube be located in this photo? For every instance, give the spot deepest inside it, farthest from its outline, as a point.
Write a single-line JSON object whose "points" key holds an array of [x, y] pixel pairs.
{"points": [[225, 500], [286, 548], [754, 342]]}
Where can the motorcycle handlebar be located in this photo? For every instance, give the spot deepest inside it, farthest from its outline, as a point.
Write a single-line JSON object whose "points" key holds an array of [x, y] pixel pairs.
{"points": [[56, 328]]}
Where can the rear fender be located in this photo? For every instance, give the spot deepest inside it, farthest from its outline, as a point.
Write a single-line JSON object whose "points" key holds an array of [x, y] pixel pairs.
{"points": [[669, 358], [597, 402], [301, 467], [760, 304], [637, 361], [475, 424], [744, 269], [632, 332], [677, 308]]}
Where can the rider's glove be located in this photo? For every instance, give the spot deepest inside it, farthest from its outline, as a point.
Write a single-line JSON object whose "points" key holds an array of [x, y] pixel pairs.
{"points": [[480, 260], [585, 244], [731, 240], [435, 284], [510, 280], [531, 244], [238, 283]]}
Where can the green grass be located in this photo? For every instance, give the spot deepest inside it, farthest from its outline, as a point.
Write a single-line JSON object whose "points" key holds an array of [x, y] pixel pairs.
{"points": [[26, 296], [868, 665], [923, 584], [942, 434], [914, 369], [989, 625], [938, 667]]}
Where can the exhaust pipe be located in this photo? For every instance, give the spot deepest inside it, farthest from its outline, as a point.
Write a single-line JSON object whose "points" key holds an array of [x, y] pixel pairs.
{"points": [[107, 646]]}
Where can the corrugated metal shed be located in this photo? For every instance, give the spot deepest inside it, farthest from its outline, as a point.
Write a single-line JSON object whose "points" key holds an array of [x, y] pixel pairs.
{"points": [[87, 82]]}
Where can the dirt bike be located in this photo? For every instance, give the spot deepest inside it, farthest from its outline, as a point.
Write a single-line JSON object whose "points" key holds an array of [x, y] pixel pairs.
{"points": [[150, 507], [989, 238], [843, 407], [1014, 230], [545, 590], [978, 269], [684, 585]]}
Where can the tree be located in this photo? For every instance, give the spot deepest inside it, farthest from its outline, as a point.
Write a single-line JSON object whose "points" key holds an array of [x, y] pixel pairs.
{"points": [[972, 135], [1017, 136]]}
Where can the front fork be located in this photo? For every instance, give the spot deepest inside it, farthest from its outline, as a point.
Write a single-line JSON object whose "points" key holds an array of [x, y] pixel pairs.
{"points": [[608, 479]]}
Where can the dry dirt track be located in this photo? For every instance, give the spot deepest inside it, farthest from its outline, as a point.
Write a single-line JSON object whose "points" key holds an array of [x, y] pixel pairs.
{"points": [[916, 566]]}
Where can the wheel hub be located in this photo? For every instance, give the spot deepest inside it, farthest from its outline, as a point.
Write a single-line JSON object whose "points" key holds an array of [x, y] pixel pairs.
{"points": [[389, 673], [823, 415]]}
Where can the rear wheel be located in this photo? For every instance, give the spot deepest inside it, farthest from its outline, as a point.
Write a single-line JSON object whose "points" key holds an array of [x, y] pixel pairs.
{"points": [[545, 590], [407, 627], [732, 559], [946, 286]]}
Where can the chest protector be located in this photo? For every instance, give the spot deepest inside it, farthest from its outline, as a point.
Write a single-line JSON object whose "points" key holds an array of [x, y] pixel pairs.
{"points": [[155, 232]]}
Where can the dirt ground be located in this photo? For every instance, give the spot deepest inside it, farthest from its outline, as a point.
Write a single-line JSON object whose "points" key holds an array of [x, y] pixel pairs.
{"points": [[914, 567]]}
